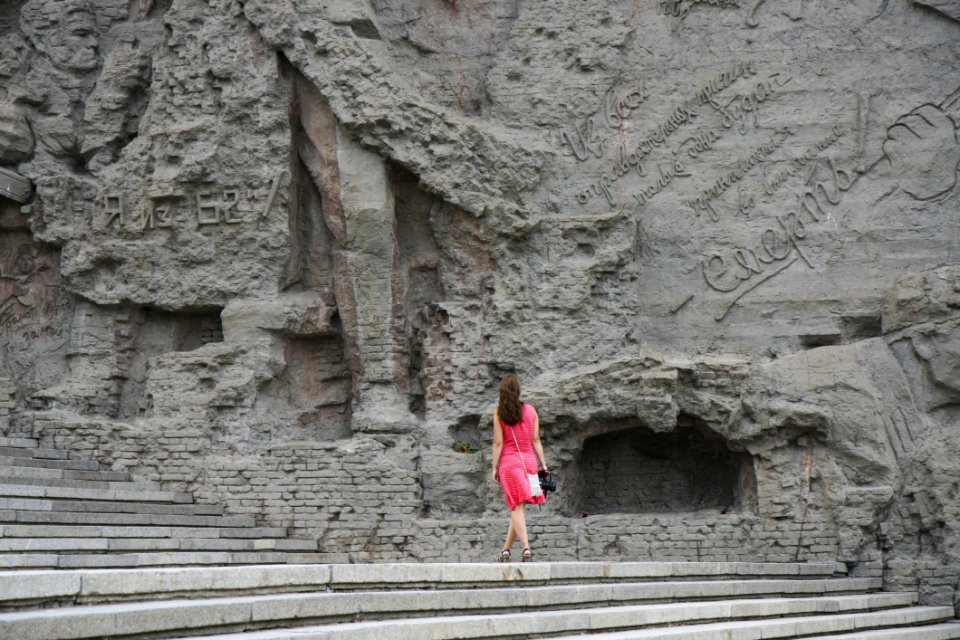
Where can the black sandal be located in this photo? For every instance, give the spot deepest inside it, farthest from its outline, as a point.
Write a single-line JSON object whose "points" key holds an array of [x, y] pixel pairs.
{"points": [[527, 555], [505, 555]]}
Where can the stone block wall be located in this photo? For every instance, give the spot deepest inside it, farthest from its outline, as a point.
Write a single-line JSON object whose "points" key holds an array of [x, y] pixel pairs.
{"points": [[363, 498], [8, 392]]}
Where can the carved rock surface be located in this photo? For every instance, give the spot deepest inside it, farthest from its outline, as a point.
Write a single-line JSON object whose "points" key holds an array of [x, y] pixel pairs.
{"points": [[280, 253], [16, 139]]}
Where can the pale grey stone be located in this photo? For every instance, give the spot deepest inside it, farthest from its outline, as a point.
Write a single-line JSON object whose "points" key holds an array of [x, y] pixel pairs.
{"points": [[16, 142], [280, 253]]}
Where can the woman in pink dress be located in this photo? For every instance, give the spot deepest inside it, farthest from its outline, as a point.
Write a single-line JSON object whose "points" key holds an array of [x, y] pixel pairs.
{"points": [[517, 451]]}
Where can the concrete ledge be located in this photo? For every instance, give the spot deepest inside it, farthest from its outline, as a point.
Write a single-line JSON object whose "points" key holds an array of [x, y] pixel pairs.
{"points": [[150, 582], [34, 452], [18, 461], [74, 545], [14, 474], [796, 628], [53, 544], [138, 507], [945, 631], [37, 476], [107, 584], [354, 576], [122, 519], [110, 531], [18, 443], [171, 558], [28, 560], [123, 494], [153, 560], [251, 612], [598, 621]]}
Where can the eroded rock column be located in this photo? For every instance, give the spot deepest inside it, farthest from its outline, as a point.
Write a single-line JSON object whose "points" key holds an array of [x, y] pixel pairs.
{"points": [[357, 204], [369, 281]]}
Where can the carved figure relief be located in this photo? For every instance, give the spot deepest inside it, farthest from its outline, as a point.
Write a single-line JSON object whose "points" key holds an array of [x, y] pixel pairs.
{"points": [[34, 309]]}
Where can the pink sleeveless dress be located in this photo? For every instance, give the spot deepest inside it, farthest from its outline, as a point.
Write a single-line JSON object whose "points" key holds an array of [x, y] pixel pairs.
{"points": [[514, 467]]}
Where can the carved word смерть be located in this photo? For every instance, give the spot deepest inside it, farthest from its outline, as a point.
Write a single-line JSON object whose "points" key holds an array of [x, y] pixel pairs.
{"points": [[777, 247]]}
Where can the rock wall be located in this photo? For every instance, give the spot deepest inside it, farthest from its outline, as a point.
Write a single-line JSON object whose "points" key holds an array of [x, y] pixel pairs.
{"points": [[280, 253]]}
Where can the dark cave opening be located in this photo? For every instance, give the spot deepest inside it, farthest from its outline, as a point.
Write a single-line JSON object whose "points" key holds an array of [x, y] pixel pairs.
{"points": [[635, 470]]}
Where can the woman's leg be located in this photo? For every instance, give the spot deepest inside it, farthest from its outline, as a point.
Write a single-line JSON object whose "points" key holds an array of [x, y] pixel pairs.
{"points": [[518, 525], [511, 535]]}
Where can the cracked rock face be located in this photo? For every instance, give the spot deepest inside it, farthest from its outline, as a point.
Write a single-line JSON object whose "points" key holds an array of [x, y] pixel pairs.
{"points": [[712, 237]]}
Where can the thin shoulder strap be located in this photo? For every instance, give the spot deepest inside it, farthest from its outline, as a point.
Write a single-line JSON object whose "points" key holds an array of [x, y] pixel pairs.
{"points": [[513, 433]]}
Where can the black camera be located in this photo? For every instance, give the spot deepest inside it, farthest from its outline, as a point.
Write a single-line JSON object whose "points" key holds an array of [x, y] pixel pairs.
{"points": [[547, 483]]}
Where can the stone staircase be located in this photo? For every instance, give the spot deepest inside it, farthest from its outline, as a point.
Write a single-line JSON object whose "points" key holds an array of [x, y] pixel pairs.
{"points": [[90, 553], [688, 600], [63, 513]]}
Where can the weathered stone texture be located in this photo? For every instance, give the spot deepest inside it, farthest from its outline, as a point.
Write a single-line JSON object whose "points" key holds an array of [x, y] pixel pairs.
{"points": [[279, 254]]}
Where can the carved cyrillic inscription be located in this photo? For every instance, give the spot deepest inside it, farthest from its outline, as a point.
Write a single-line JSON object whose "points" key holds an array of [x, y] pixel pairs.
{"points": [[273, 195], [582, 138], [113, 208], [925, 137], [666, 175], [743, 268], [773, 179], [704, 202], [208, 207], [632, 156], [738, 108], [218, 208], [160, 214], [707, 93]]}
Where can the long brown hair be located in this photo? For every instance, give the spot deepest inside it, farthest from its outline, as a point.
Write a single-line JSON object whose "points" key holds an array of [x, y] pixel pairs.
{"points": [[510, 410]]}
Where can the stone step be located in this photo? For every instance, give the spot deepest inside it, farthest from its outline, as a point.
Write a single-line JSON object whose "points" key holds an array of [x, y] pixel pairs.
{"points": [[79, 465], [81, 493], [15, 516], [944, 631], [81, 506], [18, 443], [80, 531], [15, 474], [126, 545], [364, 576], [595, 607], [161, 559], [41, 480], [104, 586], [655, 627], [34, 452], [682, 601], [59, 513], [861, 627], [722, 620], [355, 577]]}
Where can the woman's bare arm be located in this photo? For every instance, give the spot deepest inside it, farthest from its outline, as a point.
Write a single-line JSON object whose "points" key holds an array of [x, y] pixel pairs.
{"points": [[537, 445], [497, 446]]}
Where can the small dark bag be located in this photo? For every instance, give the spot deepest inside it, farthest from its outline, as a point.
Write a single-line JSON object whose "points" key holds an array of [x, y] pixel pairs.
{"points": [[547, 483]]}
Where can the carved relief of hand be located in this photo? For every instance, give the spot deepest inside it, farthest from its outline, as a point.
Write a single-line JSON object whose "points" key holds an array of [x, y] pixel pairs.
{"points": [[923, 151]]}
